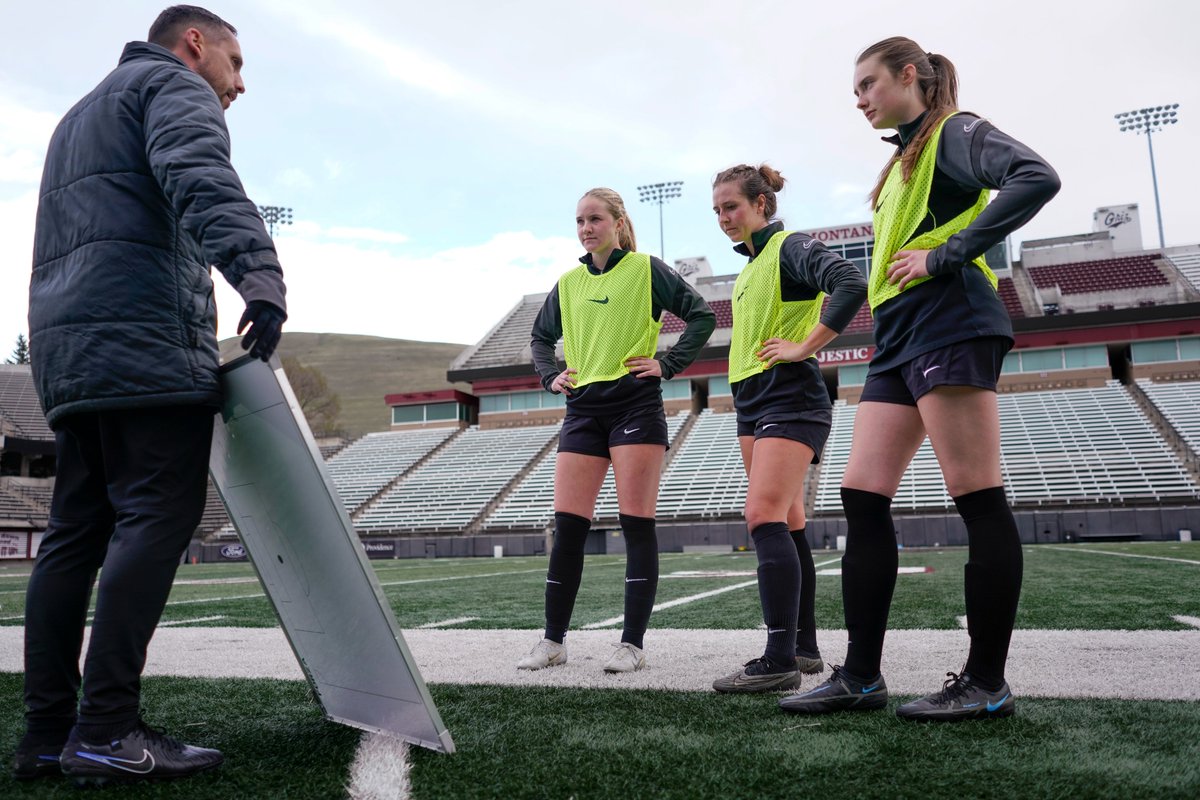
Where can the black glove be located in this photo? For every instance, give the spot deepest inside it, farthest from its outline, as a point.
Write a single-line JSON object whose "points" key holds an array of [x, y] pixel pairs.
{"points": [[266, 327]]}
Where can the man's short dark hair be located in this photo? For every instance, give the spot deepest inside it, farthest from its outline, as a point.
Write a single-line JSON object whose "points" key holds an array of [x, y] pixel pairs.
{"points": [[172, 22]]}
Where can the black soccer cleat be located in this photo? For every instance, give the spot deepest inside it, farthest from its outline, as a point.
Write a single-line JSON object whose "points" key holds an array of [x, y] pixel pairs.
{"points": [[36, 762], [809, 663], [759, 675], [142, 754], [840, 692], [960, 699]]}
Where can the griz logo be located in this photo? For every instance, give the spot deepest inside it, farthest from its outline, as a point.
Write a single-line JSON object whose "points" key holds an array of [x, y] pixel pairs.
{"points": [[1115, 219]]}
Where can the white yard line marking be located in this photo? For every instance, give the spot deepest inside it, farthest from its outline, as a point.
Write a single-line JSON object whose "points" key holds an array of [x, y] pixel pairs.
{"points": [[1122, 555], [380, 770], [962, 621], [190, 621], [607, 623], [447, 622], [1186, 620], [462, 577], [672, 603]]}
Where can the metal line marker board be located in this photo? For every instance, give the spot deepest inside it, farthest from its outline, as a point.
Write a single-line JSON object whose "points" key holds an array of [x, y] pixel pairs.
{"points": [[274, 483]]}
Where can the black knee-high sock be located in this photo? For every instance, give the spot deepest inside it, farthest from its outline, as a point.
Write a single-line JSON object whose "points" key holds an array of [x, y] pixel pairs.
{"points": [[566, 568], [778, 588], [641, 575], [993, 581], [868, 577], [806, 620]]}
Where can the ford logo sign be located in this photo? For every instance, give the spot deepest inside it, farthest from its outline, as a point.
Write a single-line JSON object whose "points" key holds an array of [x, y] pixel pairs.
{"points": [[233, 551]]}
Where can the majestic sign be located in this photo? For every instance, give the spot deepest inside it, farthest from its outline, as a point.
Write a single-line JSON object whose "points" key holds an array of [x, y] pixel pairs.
{"points": [[846, 355], [271, 477]]}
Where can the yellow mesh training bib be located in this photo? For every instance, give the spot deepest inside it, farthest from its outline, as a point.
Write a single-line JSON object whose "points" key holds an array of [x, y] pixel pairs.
{"points": [[607, 318], [902, 206], [759, 312]]}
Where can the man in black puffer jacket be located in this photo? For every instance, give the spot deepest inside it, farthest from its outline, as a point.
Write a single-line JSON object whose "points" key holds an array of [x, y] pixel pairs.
{"points": [[138, 198]]}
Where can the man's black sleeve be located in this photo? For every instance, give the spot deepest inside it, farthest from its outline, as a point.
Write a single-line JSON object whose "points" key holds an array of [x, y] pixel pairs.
{"points": [[671, 292], [976, 155], [547, 330]]}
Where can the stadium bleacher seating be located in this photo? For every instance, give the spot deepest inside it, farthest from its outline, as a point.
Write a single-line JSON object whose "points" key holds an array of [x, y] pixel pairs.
{"points": [[705, 479], [363, 468], [531, 504], [451, 489], [1179, 402], [19, 407], [1057, 448], [722, 308], [1188, 265], [1010, 298], [13, 506], [509, 338], [1104, 275]]}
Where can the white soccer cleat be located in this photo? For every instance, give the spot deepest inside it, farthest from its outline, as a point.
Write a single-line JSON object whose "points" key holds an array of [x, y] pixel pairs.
{"points": [[626, 658], [546, 653]]}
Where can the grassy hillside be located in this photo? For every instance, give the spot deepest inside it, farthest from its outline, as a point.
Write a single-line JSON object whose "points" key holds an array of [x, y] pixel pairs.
{"points": [[362, 369]]}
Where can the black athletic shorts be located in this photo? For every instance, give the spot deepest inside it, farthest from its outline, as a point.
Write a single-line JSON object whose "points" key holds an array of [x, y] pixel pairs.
{"points": [[593, 436], [972, 362], [809, 427]]}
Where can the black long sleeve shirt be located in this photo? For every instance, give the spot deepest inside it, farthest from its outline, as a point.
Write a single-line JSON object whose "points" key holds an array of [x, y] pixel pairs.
{"points": [[806, 268], [669, 291], [959, 304]]}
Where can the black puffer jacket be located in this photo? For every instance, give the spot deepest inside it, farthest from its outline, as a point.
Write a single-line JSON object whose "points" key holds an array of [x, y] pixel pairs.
{"points": [[138, 197]]}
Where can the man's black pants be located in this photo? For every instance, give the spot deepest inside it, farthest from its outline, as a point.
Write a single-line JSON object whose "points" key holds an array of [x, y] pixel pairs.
{"points": [[129, 493]]}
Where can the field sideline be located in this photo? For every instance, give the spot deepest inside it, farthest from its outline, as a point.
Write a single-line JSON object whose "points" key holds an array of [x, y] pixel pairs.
{"points": [[1105, 633]]}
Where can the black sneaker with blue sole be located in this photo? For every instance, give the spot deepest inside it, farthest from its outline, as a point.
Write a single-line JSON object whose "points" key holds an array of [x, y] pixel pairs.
{"points": [[142, 754], [960, 699], [840, 692]]}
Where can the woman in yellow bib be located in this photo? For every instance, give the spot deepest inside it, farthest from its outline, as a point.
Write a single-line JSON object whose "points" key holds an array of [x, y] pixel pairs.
{"points": [[941, 333], [608, 312], [783, 409]]}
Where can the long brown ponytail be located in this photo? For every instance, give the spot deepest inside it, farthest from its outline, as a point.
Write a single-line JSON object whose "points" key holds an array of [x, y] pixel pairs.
{"points": [[626, 239], [938, 82]]}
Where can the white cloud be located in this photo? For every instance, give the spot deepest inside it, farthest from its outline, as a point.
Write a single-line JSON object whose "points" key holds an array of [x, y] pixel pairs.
{"points": [[16, 261], [295, 178], [24, 134], [454, 295], [304, 230], [367, 235]]}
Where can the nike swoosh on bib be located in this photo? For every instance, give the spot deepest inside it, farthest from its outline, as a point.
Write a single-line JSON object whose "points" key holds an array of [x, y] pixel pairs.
{"points": [[601, 302]]}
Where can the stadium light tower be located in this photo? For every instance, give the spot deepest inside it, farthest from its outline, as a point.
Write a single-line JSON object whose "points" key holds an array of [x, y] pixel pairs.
{"points": [[275, 215], [660, 193], [1150, 121]]}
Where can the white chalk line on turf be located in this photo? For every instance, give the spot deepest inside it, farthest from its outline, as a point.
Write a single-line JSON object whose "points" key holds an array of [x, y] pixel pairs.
{"points": [[448, 622], [1122, 555], [1129, 665], [385, 583], [380, 770], [1186, 620], [190, 621], [608, 623]]}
